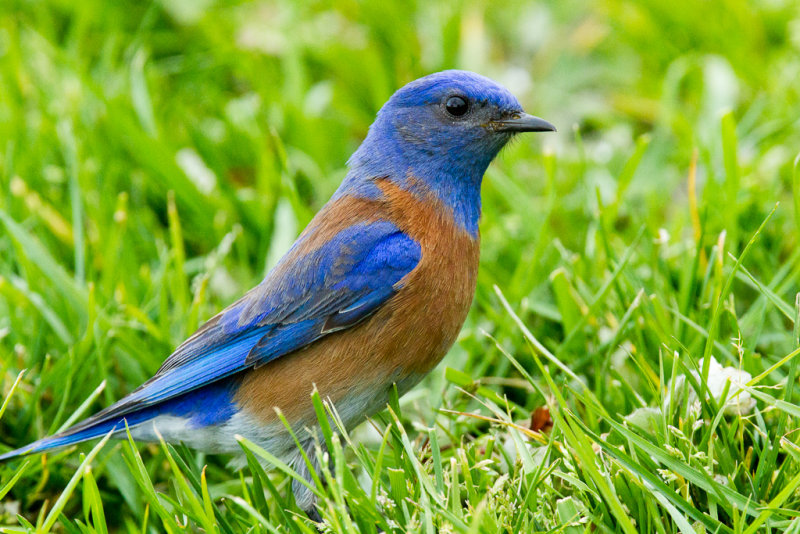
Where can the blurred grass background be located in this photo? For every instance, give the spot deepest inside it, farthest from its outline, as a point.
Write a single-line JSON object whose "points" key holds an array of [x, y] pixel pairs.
{"points": [[156, 158]]}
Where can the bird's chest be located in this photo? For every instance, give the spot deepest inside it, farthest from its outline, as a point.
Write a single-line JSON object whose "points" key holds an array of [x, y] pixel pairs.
{"points": [[429, 311], [422, 321], [407, 337]]}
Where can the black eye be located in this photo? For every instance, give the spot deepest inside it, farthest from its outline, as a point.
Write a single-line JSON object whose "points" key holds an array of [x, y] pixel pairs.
{"points": [[456, 106]]}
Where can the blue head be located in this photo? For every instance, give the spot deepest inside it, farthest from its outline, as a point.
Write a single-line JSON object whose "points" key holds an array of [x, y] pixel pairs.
{"points": [[438, 134]]}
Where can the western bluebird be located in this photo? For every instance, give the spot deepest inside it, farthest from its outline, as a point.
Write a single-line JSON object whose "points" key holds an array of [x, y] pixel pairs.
{"points": [[373, 292]]}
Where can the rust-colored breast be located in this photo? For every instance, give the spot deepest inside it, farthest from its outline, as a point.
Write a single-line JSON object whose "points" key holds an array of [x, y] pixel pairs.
{"points": [[402, 341], [434, 302]]}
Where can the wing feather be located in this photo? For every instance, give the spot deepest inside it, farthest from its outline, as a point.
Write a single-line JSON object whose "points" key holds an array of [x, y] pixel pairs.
{"points": [[304, 298]]}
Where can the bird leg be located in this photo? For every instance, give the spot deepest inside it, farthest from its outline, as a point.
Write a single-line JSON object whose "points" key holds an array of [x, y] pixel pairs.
{"points": [[305, 498]]}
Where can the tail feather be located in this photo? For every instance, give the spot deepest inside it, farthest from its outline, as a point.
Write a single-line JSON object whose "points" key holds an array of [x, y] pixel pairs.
{"points": [[68, 437], [96, 426], [210, 405]]}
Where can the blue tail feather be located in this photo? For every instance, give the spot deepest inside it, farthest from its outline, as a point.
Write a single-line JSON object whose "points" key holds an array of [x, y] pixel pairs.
{"points": [[64, 439], [206, 406]]}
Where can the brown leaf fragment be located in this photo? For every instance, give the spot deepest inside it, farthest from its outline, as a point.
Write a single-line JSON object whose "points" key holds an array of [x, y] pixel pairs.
{"points": [[541, 420]]}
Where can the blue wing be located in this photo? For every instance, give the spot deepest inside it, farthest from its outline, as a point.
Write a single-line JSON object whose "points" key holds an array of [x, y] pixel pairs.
{"points": [[305, 297]]}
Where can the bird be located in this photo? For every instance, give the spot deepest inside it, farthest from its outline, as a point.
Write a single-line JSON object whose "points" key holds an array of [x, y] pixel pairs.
{"points": [[371, 295]]}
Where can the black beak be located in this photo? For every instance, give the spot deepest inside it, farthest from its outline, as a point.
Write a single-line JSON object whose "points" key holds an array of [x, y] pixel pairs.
{"points": [[523, 123]]}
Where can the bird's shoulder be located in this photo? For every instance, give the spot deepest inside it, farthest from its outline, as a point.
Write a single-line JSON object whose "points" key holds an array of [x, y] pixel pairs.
{"points": [[449, 253]]}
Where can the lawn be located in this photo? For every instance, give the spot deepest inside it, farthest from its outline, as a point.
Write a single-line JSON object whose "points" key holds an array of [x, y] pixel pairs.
{"points": [[157, 158]]}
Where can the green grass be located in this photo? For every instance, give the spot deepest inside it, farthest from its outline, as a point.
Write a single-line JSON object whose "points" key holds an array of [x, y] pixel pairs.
{"points": [[157, 158]]}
